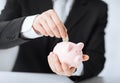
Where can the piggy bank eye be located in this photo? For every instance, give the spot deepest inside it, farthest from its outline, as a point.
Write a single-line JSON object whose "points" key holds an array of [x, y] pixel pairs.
{"points": [[70, 47], [77, 51]]}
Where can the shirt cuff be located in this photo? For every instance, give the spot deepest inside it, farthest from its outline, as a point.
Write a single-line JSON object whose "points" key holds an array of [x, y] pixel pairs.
{"points": [[27, 30], [79, 70]]}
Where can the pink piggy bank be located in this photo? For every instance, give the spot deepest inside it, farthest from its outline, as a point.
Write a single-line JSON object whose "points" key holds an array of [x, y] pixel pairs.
{"points": [[69, 53]]}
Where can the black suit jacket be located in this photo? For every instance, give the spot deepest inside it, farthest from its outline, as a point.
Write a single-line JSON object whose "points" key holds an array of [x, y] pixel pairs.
{"points": [[85, 23]]}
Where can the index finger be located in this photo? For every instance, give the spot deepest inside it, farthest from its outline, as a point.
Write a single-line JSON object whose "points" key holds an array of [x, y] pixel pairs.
{"points": [[62, 29]]}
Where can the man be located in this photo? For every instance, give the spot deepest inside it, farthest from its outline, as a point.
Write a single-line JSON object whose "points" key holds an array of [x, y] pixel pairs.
{"points": [[32, 24]]}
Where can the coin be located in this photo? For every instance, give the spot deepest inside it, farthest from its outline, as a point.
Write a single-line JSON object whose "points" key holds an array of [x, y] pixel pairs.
{"points": [[65, 39]]}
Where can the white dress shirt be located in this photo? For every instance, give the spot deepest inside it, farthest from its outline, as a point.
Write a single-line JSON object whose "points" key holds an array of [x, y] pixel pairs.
{"points": [[28, 32]]}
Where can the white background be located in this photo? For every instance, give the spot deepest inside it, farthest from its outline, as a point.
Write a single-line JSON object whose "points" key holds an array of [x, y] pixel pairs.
{"points": [[2, 3], [112, 39], [112, 67]]}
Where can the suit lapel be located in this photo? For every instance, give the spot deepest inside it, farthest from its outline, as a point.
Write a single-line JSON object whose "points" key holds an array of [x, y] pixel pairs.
{"points": [[76, 13]]}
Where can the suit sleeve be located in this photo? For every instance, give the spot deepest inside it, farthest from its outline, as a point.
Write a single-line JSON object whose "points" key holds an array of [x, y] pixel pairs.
{"points": [[95, 48], [10, 25]]}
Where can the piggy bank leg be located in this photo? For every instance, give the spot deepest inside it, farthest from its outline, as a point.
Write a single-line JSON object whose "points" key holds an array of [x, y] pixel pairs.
{"points": [[85, 57]]}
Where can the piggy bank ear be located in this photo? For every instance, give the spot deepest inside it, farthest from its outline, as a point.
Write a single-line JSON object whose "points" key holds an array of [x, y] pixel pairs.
{"points": [[81, 45], [69, 47]]}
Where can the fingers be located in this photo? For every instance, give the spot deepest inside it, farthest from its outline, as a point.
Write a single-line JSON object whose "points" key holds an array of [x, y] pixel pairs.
{"points": [[59, 24], [39, 30], [85, 57], [57, 67], [48, 23], [45, 26], [52, 26], [50, 62], [68, 71], [55, 64]]}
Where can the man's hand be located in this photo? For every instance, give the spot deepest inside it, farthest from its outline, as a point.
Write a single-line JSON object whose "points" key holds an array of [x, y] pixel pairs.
{"points": [[49, 24], [61, 68], [57, 67]]}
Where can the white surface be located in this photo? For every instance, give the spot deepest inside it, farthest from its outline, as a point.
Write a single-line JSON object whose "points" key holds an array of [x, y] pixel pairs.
{"points": [[13, 77]]}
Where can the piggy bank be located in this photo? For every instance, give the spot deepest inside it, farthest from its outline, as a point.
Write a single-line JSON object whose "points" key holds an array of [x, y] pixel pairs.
{"points": [[69, 53]]}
